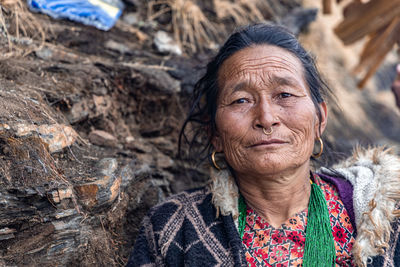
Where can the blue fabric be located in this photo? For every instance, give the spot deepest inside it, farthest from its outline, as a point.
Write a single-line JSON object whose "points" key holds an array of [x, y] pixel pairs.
{"points": [[99, 13]]}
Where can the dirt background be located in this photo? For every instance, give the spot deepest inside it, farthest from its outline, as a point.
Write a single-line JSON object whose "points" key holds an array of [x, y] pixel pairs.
{"points": [[89, 124]]}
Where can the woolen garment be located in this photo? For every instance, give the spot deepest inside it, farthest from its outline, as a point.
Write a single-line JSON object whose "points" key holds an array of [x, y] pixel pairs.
{"points": [[199, 227]]}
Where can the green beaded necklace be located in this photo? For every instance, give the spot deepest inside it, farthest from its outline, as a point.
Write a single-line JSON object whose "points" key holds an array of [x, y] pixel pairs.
{"points": [[319, 249]]}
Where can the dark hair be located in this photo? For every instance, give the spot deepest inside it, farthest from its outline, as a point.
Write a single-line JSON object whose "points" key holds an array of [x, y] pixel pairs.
{"points": [[204, 103]]}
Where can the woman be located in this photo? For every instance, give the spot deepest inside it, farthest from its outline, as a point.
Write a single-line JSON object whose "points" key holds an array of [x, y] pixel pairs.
{"points": [[261, 105]]}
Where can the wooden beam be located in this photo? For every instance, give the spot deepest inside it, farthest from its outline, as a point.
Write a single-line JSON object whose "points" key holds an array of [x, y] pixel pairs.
{"points": [[326, 6], [384, 44], [369, 17], [373, 45]]}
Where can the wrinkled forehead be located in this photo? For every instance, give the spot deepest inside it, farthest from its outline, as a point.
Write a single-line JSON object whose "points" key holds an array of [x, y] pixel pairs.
{"points": [[267, 62]]}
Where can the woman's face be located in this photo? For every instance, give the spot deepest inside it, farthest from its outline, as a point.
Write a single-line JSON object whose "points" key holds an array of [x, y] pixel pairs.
{"points": [[263, 86]]}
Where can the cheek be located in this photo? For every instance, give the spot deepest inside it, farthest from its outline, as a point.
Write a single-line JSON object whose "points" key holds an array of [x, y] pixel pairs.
{"points": [[232, 129], [302, 126]]}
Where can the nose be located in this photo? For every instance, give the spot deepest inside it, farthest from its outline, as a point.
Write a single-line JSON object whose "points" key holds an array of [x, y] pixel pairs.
{"points": [[266, 115]]}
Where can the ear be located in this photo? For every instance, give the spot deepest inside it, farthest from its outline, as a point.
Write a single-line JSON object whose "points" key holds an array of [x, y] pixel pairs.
{"points": [[216, 141], [324, 119]]}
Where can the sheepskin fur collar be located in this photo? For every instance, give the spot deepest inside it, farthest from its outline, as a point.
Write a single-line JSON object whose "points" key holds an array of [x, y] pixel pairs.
{"points": [[375, 176]]}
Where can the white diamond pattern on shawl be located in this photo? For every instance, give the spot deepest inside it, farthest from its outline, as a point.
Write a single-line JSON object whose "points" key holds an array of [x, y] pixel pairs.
{"points": [[175, 222], [220, 254], [171, 228]]}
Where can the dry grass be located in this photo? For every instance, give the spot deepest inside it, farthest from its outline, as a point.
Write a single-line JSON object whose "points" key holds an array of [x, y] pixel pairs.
{"points": [[257, 9], [20, 27], [192, 26], [194, 30], [226, 9], [242, 11]]}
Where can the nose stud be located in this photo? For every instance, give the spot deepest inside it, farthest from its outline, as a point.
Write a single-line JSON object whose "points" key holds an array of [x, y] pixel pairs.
{"points": [[269, 132]]}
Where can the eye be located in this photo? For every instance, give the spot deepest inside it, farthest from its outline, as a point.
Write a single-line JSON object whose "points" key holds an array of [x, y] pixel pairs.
{"points": [[240, 101], [285, 95]]}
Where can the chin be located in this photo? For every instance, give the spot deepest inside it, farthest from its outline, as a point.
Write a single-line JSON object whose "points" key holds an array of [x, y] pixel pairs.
{"points": [[277, 164], [272, 168]]}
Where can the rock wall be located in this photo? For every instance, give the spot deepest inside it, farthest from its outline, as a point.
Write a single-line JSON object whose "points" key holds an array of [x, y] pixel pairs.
{"points": [[88, 143]]}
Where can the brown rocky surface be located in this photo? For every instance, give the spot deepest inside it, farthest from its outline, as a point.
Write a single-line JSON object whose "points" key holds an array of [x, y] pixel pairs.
{"points": [[89, 126], [102, 138]]}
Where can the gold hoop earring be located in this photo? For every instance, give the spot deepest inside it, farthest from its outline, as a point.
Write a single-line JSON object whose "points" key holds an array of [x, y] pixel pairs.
{"points": [[213, 161], [265, 131], [321, 149]]}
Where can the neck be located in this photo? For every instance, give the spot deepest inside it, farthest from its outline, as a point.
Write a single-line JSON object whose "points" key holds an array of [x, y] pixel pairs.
{"points": [[276, 197]]}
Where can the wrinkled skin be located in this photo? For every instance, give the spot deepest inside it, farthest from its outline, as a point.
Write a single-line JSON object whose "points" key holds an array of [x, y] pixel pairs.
{"points": [[263, 86]]}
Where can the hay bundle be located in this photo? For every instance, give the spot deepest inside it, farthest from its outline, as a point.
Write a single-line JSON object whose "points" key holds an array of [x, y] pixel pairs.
{"points": [[20, 28], [191, 27], [200, 24]]}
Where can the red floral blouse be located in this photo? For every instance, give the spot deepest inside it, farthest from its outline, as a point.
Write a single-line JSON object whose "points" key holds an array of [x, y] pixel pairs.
{"points": [[284, 246]]}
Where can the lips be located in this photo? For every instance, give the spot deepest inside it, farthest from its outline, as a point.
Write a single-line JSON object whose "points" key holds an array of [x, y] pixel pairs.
{"points": [[268, 142]]}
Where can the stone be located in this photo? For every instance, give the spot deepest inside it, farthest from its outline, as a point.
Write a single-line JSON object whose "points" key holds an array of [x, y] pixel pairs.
{"points": [[113, 45], [104, 189], [56, 136], [159, 80], [131, 18], [45, 53], [102, 138], [102, 104], [57, 54], [138, 144], [78, 112], [163, 161], [7, 233], [59, 194], [4, 126], [165, 44], [129, 139], [99, 86]]}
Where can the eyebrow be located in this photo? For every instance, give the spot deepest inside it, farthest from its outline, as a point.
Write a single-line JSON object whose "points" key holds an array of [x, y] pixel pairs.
{"points": [[239, 87], [274, 80], [284, 80]]}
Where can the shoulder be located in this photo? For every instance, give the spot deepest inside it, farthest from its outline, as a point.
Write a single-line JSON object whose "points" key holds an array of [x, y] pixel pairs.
{"points": [[171, 227], [373, 172], [368, 166], [180, 230], [177, 206], [182, 199], [374, 175]]}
